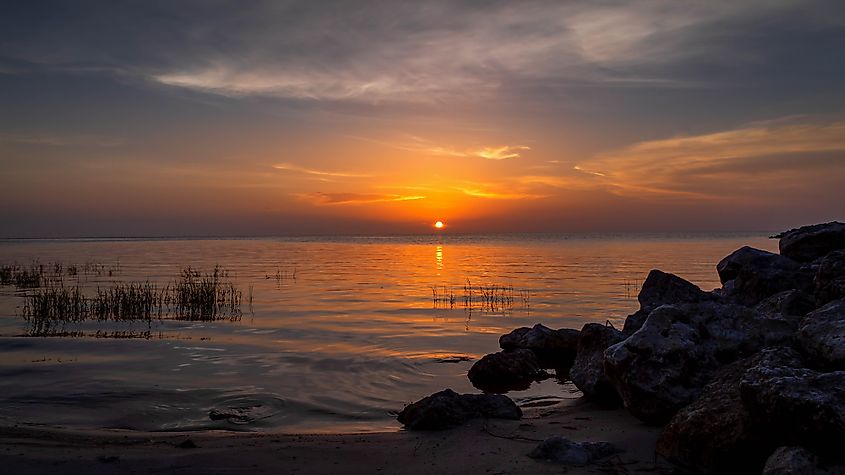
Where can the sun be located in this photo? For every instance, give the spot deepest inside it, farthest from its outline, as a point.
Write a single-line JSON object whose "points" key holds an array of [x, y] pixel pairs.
{"points": [[439, 225]]}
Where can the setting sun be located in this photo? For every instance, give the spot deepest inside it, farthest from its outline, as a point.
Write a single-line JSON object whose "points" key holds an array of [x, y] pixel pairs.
{"points": [[439, 225]]}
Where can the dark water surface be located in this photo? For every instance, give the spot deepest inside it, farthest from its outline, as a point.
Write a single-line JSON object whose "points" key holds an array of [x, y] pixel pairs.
{"points": [[341, 335]]}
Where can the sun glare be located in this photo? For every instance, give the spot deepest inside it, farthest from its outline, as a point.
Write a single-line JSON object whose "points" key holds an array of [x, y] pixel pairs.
{"points": [[439, 225]]}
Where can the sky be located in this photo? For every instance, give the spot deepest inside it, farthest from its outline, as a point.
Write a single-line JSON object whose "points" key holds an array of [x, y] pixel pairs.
{"points": [[242, 118]]}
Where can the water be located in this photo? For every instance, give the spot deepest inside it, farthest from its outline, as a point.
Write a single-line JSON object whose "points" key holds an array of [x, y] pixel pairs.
{"points": [[342, 331]]}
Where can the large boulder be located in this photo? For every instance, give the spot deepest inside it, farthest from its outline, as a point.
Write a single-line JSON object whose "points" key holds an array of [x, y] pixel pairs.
{"points": [[793, 461], [830, 277], [797, 406], [506, 371], [715, 433], [564, 451], [587, 373], [447, 408], [808, 243], [822, 335], [664, 365], [789, 306], [750, 275], [661, 288], [554, 348]]}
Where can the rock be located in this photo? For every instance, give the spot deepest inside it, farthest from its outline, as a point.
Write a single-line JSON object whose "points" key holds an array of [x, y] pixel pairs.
{"points": [[664, 365], [789, 306], [634, 322], [564, 451], [554, 348], [808, 243], [235, 415], [797, 406], [662, 288], [792, 461], [750, 275], [829, 282], [587, 373], [447, 408], [822, 335], [715, 433], [505, 371]]}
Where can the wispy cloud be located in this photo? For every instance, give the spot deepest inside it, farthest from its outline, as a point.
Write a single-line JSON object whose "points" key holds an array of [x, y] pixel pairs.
{"points": [[425, 146], [773, 154], [290, 167], [332, 199]]}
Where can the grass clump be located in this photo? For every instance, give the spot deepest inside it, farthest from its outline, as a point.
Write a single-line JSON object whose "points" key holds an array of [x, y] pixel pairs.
{"points": [[193, 296]]}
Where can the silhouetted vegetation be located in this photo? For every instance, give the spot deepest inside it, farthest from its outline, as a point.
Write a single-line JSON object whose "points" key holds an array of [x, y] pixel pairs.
{"points": [[194, 296], [490, 297]]}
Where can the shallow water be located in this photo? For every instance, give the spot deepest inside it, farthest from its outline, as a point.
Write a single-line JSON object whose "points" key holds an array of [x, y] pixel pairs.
{"points": [[342, 332]]}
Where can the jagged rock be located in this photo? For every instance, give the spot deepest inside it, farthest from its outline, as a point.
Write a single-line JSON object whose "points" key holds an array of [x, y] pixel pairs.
{"points": [[792, 461], [634, 322], [665, 364], [505, 371], [822, 335], [789, 306], [715, 433], [447, 408], [797, 406], [830, 278], [587, 373], [554, 348], [808, 243], [564, 451], [662, 288], [750, 275]]}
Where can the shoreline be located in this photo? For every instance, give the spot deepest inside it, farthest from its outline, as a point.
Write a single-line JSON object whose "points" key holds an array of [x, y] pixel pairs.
{"points": [[479, 446]]}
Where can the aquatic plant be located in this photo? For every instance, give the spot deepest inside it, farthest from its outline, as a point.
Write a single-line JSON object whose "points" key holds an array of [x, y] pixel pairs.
{"points": [[194, 296]]}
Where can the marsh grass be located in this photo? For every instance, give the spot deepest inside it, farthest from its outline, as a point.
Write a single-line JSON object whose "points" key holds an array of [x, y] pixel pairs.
{"points": [[489, 297], [194, 296], [37, 275]]}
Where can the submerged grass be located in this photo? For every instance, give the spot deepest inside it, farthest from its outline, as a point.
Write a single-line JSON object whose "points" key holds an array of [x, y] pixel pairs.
{"points": [[37, 275], [489, 297], [195, 296]]}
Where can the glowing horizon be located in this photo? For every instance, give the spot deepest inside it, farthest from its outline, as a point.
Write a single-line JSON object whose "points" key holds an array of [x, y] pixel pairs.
{"points": [[540, 117]]}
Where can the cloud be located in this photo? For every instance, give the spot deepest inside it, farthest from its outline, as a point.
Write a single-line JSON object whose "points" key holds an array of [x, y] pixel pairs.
{"points": [[319, 198], [290, 167], [756, 158], [421, 145], [395, 51]]}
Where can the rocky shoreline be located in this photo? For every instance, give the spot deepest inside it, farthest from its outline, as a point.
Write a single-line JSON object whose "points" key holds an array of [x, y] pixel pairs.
{"points": [[747, 378]]}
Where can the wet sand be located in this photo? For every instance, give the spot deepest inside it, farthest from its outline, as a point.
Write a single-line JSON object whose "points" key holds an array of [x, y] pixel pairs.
{"points": [[481, 446]]}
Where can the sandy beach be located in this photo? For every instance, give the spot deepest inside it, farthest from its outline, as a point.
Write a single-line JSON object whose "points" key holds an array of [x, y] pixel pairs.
{"points": [[480, 446]]}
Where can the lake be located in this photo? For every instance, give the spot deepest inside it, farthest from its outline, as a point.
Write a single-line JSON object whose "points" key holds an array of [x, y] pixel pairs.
{"points": [[340, 333]]}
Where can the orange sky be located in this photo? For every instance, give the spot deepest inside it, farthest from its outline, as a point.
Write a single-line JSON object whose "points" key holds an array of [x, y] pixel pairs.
{"points": [[548, 117]]}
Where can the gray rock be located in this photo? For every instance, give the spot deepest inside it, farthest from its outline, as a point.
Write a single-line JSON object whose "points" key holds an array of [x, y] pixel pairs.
{"points": [[822, 335], [808, 243], [554, 348], [750, 275], [447, 408], [506, 371], [662, 288], [587, 373], [664, 365], [830, 278], [564, 451], [797, 406], [715, 433], [789, 306], [792, 461]]}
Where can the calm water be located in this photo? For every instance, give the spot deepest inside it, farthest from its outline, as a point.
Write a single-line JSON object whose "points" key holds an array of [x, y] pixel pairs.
{"points": [[340, 347]]}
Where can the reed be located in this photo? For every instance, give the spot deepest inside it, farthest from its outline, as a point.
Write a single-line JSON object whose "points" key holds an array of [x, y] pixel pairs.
{"points": [[490, 297], [194, 296]]}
